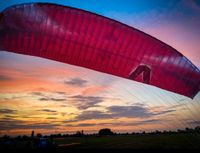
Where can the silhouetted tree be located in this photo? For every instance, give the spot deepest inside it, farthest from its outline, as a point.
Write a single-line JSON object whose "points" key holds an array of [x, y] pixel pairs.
{"points": [[19, 137], [39, 135], [197, 129], [133, 133], [105, 131], [79, 134], [32, 134], [158, 132], [59, 135], [25, 137]]}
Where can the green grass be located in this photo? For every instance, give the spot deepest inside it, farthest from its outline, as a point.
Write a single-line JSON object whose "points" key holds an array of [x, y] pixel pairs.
{"points": [[165, 141]]}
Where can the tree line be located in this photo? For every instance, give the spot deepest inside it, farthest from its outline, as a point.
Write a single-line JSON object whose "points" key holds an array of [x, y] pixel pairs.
{"points": [[105, 132]]}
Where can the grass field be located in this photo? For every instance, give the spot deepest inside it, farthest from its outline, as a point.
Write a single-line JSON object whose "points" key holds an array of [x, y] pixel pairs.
{"points": [[165, 141]]}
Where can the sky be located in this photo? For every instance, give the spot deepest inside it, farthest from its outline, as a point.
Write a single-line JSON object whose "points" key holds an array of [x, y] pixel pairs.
{"points": [[51, 97]]}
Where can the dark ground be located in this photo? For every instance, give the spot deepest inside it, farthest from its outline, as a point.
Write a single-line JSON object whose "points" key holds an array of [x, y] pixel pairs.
{"points": [[161, 141], [141, 141]]}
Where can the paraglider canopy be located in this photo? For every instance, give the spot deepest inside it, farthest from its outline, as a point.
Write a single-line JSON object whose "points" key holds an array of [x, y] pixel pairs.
{"points": [[89, 40]]}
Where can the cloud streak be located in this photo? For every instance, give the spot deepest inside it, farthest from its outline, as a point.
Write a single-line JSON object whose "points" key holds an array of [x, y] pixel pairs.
{"points": [[197, 123], [8, 111], [130, 111], [13, 124], [52, 99], [48, 110], [49, 96], [120, 124], [115, 112], [76, 82], [84, 102], [5, 78]]}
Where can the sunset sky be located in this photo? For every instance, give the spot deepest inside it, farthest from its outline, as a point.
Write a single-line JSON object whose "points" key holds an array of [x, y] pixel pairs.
{"points": [[53, 97]]}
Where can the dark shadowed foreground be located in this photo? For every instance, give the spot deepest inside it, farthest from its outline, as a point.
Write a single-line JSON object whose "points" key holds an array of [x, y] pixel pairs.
{"points": [[163, 141], [106, 139]]}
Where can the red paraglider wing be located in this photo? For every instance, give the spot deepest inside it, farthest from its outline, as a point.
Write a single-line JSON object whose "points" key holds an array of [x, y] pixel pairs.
{"points": [[89, 40]]}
